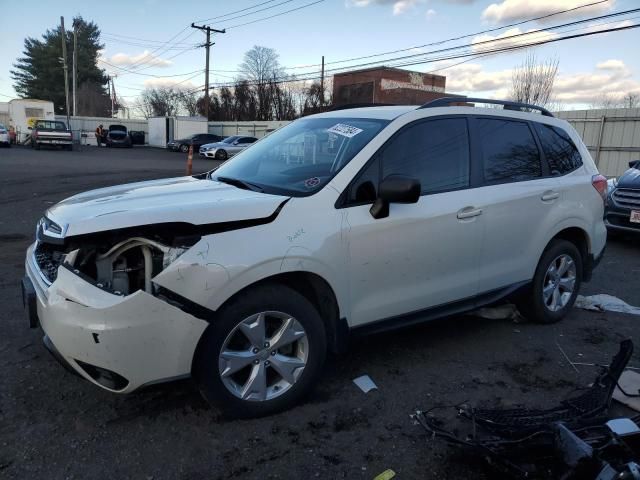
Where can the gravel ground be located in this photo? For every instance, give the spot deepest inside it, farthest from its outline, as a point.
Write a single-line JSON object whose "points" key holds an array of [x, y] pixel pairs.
{"points": [[55, 425]]}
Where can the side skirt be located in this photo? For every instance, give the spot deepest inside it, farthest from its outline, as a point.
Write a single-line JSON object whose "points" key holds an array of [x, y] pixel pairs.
{"points": [[440, 311]]}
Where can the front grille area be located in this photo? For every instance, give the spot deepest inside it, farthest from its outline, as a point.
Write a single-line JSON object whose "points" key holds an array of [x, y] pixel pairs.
{"points": [[627, 198], [48, 260]]}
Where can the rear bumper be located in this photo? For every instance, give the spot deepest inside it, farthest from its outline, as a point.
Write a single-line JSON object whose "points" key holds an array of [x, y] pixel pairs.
{"points": [[54, 141], [118, 343]]}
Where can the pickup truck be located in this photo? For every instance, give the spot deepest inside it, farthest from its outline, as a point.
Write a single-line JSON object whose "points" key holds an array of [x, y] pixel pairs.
{"points": [[51, 132]]}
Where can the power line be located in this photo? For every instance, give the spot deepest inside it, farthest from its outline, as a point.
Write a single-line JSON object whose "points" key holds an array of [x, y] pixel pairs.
{"points": [[232, 13], [464, 55], [274, 16], [440, 42], [140, 63], [254, 12]]}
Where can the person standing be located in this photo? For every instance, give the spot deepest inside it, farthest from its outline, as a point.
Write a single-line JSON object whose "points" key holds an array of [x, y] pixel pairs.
{"points": [[99, 134]]}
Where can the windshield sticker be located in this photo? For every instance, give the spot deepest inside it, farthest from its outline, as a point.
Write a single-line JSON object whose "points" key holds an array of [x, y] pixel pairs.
{"points": [[312, 182], [345, 130]]}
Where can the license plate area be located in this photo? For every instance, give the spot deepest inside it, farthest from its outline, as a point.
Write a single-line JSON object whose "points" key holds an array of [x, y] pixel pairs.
{"points": [[635, 216]]}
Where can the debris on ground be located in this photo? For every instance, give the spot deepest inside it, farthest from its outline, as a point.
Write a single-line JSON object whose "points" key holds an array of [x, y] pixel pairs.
{"points": [[602, 302], [386, 475], [627, 390], [365, 383], [507, 311], [574, 440]]}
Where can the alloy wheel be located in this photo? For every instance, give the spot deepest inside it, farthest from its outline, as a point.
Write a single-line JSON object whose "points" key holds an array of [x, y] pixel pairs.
{"points": [[263, 356], [559, 283]]}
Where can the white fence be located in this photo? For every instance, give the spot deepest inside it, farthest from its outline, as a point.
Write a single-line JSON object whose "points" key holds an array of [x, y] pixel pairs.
{"points": [[611, 135], [87, 126], [254, 129]]}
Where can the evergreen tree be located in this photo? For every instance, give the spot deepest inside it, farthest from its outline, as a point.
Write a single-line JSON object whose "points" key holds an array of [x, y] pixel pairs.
{"points": [[39, 73]]}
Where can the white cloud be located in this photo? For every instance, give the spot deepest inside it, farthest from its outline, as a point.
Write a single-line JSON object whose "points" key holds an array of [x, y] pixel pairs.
{"points": [[430, 14], [611, 64], [514, 10], [147, 58], [610, 77], [504, 40]]}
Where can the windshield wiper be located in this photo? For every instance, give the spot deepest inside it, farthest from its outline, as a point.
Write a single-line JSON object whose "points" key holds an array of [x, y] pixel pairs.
{"points": [[236, 182]]}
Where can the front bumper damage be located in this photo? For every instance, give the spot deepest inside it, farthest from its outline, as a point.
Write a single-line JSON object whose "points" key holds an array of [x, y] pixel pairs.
{"points": [[119, 343]]}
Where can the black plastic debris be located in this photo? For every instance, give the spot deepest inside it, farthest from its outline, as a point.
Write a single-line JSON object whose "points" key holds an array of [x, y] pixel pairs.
{"points": [[575, 440]]}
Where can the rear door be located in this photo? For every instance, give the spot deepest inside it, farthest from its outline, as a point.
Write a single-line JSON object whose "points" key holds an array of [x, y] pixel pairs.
{"points": [[519, 199], [425, 254]]}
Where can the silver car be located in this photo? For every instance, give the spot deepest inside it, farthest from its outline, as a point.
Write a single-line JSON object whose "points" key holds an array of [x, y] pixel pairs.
{"points": [[227, 147]]}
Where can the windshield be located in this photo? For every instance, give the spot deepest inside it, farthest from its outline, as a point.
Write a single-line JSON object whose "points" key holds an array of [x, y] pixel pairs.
{"points": [[230, 139], [302, 157], [53, 125]]}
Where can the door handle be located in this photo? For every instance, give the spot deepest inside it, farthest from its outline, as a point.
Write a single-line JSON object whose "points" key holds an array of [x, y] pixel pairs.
{"points": [[549, 196], [469, 212]]}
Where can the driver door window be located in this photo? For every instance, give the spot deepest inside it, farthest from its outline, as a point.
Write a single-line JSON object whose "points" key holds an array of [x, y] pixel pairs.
{"points": [[436, 152]]}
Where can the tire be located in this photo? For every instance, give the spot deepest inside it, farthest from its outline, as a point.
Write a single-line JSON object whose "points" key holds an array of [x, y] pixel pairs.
{"points": [[68, 148], [184, 148], [279, 306], [221, 155], [36, 146], [543, 306]]}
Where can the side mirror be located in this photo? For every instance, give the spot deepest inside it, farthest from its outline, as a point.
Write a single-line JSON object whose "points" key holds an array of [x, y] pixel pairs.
{"points": [[634, 164], [236, 142], [395, 189]]}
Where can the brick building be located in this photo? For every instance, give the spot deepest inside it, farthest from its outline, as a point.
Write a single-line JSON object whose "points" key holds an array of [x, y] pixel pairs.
{"points": [[387, 85]]}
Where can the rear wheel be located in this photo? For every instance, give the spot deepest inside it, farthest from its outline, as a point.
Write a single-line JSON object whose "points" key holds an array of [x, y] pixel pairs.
{"points": [[262, 354], [555, 284]]}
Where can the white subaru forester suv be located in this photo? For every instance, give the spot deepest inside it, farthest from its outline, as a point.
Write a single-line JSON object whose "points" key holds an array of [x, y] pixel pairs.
{"points": [[342, 223]]}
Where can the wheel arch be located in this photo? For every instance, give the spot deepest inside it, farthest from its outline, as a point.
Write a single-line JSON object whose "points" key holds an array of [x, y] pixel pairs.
{"points": [[580, 238], [318, 292]]}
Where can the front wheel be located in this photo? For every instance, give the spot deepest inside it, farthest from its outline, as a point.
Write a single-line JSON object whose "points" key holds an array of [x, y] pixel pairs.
{"points": [[262, 354], [555, 284], [221, 155], [184, 148]]}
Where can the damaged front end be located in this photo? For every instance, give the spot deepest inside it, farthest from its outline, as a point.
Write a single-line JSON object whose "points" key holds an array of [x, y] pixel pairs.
{"points": [[102, 314]]}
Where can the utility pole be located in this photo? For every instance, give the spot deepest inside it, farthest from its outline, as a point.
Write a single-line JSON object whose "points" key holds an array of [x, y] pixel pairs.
{"points": [[322, 83], [64, 65], [75, 64], [112, 93], [207, 45]]}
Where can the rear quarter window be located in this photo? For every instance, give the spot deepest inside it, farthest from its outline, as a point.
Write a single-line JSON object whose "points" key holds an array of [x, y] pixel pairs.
{"points": [[561, 153]]}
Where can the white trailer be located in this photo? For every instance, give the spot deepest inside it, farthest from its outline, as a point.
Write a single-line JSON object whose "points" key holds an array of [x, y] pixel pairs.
{"points": [[164, 129], [21, 114]]}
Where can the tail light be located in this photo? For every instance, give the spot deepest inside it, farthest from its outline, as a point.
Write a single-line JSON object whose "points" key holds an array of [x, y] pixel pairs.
{"points": [[599, 182]]}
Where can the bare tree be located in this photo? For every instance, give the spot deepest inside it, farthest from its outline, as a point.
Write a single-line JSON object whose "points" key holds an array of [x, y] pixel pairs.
{"points": [[159, 102], [260, 67], [189, 102], [631, 100], [532, 82]]}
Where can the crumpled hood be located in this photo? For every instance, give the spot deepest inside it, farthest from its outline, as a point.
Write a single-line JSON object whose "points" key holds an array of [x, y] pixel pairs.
{"points": [[180, 199], [630, 179]]}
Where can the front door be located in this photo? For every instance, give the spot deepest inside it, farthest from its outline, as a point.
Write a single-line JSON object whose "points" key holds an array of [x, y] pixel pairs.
{"points": [[425, 254]]}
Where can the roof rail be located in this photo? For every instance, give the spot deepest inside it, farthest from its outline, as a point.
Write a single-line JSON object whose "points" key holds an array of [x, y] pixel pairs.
{"points": [[358, 105], [507, 105]]}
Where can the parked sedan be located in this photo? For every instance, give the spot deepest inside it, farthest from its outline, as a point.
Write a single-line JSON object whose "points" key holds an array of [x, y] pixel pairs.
{"points": [[197, 140], [117, 136], [622, 213], [5, 138], [226, 148]]}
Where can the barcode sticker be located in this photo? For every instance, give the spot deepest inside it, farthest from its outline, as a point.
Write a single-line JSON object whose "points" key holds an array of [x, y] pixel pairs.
{"points": [[345, 130]]}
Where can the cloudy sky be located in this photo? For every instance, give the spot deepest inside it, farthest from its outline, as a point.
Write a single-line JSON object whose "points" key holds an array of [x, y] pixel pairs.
{"points": [[136, 35]]}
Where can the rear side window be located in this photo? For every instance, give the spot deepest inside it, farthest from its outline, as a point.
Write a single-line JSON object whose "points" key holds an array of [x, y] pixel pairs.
{"points": [[560, 151], [509, 151], [436, 152]]}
